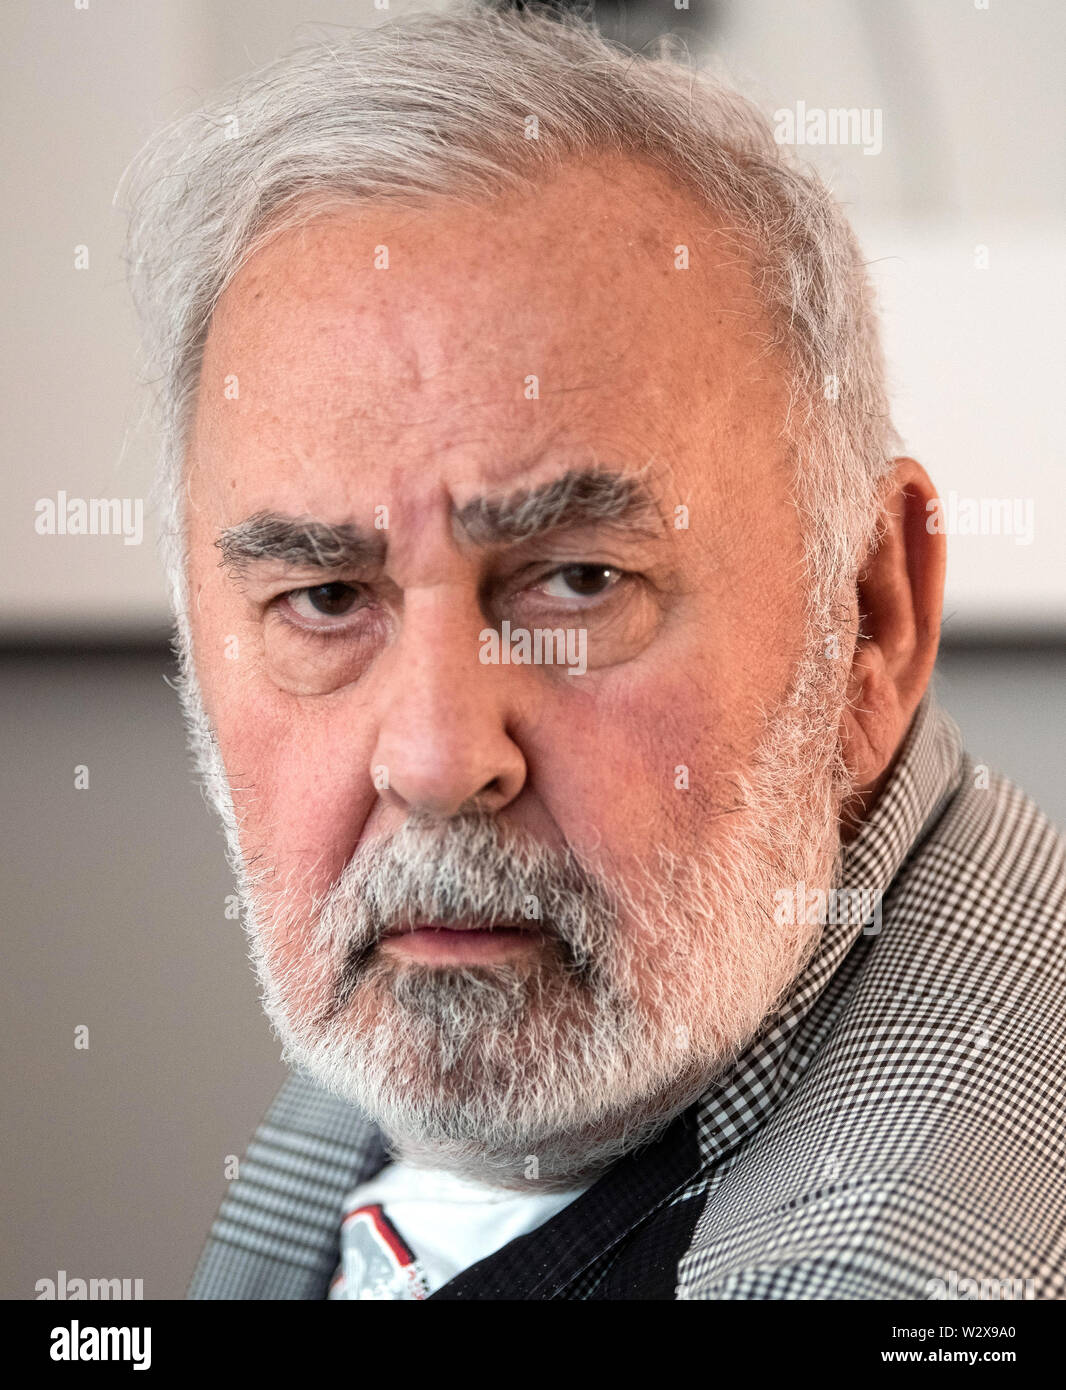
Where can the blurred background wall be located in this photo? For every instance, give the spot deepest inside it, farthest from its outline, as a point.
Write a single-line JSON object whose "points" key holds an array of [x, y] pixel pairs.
{"points": [[115, 897]]}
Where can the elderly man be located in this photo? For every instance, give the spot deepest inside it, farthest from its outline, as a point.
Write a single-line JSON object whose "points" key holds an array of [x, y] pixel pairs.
{"points": [[556, 620]]}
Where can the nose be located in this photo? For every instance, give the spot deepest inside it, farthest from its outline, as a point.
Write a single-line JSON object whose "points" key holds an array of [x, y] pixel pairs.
{"points": [[443, 732]]}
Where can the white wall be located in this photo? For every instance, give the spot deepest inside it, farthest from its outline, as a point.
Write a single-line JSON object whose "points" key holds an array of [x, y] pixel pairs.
{"points": [[973, 155]]}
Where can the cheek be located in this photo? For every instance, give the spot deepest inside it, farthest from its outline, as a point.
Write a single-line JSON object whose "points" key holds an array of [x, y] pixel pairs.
{"points": [[298, 773], [647, 759]]}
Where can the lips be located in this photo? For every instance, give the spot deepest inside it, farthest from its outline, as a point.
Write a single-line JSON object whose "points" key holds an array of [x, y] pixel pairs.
{"points": [[461, 943]]}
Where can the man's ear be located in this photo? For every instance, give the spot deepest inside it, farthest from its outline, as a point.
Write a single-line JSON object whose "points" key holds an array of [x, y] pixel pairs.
{"points": [[900, 591]]}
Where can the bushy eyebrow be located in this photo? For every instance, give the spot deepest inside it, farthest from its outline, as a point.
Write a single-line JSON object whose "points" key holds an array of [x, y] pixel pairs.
{"points": [[300, 543], [580, 497]]}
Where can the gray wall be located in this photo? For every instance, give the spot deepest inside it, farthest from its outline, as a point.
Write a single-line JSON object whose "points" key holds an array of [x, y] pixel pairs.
{"points": [[114, 907], [114, 903]]}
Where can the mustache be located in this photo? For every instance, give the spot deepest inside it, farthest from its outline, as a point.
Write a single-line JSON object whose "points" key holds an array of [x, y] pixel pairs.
{"points": [[471, 868]]}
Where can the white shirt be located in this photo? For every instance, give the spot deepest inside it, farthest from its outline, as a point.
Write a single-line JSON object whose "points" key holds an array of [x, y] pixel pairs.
{"points": [[409, 1230]]}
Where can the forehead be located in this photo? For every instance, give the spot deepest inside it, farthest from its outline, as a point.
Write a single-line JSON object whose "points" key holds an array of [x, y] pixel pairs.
{"points": [[379, 339]]}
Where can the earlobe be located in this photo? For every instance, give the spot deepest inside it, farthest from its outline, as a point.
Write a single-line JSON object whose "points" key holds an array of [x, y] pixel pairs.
{"points": [[871, 713], [899, 592]]}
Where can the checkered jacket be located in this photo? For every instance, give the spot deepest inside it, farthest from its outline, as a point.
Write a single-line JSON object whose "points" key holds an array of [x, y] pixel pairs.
{"points": [[896, 1130]]}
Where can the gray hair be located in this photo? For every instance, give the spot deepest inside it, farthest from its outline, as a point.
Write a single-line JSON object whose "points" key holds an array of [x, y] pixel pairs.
{"points": [[437, 104]]}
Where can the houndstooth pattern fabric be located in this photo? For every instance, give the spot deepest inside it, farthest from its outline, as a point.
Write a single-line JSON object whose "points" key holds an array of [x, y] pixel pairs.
{"points": [[896, 1131], [277, 1232]]}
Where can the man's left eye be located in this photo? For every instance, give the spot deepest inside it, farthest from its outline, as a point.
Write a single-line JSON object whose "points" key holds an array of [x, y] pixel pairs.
{"points": [[580, 581], [323, 601]]}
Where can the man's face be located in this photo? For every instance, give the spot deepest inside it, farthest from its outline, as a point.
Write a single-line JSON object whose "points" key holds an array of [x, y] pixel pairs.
{"points": [[523, 412]]}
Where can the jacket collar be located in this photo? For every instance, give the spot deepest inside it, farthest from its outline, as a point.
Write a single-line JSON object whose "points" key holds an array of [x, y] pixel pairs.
{"points": [[925, 777]]}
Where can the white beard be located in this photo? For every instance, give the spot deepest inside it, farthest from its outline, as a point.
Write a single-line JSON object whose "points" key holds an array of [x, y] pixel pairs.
{"points": [[543, 1073]]}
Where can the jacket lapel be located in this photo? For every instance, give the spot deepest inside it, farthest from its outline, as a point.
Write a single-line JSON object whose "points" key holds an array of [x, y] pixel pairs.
{"points": [[547, 1261], [277, 1233]]}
